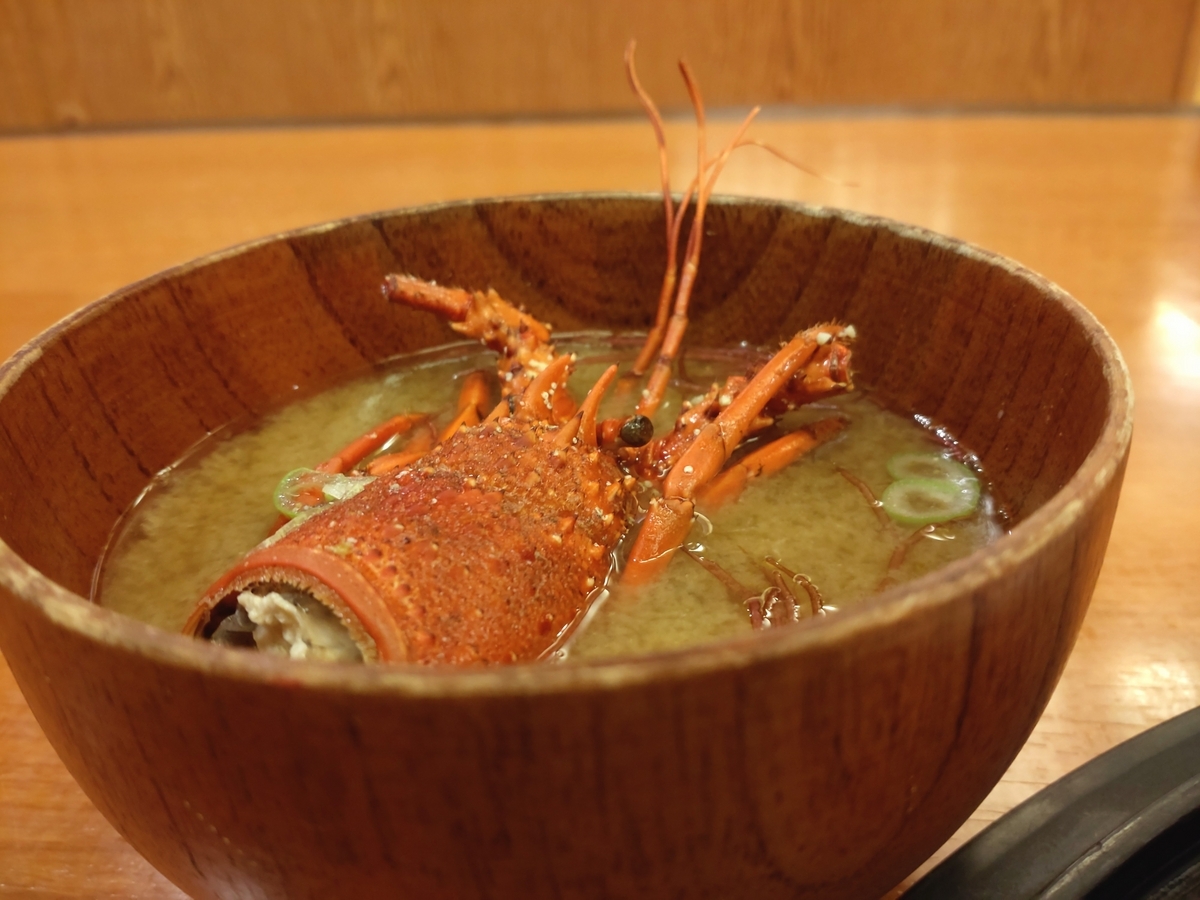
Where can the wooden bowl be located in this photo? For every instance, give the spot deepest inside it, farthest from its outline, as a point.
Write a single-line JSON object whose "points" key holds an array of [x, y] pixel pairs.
{"points": [[826, 760]]}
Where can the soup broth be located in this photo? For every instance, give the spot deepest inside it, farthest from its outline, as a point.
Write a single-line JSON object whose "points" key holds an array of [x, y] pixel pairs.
{"points": [[815, 517]]}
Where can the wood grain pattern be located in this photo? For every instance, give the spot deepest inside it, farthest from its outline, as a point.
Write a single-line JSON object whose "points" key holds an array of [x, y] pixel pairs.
{"points": [[68, 63], [1107, 206], [230, 770], [1188, 85]]}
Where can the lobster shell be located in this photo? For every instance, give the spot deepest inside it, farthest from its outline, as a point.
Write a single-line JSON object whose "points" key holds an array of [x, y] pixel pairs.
{"points": [[530, 526]]}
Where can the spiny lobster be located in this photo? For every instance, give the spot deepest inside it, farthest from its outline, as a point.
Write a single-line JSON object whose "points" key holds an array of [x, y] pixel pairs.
{"points": [[488, 544]]}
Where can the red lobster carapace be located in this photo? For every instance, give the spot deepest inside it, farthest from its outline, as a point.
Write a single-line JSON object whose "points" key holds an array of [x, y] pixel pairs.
{"points": [[488, 544]]}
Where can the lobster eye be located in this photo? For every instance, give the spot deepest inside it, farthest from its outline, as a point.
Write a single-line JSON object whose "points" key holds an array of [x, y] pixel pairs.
{"points": [[637, 431]]}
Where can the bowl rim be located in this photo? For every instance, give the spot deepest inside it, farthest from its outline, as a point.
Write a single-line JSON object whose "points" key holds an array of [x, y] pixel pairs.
{"points": [[938, 588]]}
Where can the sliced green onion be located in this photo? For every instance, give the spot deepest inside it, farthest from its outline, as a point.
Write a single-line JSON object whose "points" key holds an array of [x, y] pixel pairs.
{"points": [[929, 465], [301, 490], [927, 501]]}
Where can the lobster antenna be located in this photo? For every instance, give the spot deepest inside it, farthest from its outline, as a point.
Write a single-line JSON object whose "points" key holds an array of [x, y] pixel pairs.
{"points": [[655, 337], [780, 155], [705, 180], [656, 122]]}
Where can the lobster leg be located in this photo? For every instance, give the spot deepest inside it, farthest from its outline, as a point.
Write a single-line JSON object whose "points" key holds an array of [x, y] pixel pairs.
{"points": [[472, 401], [816, 602], [670, 517], [358, 450], [420, 444], [362, 447], [472, 404], [774, 457]]}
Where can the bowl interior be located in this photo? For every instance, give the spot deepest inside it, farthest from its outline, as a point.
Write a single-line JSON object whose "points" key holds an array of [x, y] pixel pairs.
{"points": [[95, 407]]}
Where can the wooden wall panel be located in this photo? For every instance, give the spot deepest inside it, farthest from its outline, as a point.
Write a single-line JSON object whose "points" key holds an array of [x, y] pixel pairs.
{"points": [[1188, 90], [71, 63]]}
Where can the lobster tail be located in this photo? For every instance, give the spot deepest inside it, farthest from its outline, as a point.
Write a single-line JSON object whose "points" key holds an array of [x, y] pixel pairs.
{"points": [[498, 508], [306, 579]]}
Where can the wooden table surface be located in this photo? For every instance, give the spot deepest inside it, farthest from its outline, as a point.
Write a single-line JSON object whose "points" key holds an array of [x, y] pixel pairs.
{"points": [[1107, 206]]}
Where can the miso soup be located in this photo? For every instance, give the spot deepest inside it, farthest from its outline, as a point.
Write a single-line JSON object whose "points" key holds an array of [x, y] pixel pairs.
{"points": [[816, 527]]}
